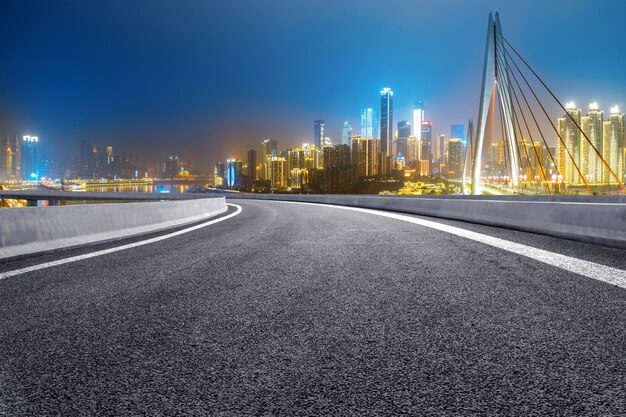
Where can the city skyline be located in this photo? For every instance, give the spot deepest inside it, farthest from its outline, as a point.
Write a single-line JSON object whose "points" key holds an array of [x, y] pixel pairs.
{"points": [[163, 112]]}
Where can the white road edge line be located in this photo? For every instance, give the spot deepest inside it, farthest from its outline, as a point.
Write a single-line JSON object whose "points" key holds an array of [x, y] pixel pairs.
{"points": [[588, 269], [77, 258]]}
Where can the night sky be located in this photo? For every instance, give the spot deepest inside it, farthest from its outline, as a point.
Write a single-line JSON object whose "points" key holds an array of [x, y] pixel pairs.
{"points": [[202, 79]]}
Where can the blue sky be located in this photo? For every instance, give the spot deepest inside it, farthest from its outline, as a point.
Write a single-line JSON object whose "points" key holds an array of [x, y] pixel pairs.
{"points": [[205, 78]]}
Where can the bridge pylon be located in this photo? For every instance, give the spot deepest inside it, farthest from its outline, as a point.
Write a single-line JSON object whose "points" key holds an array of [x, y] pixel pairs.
{"points": [[495, 84]]}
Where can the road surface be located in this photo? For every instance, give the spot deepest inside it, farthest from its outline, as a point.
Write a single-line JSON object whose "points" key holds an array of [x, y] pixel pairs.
{"points": [[300, 309]]}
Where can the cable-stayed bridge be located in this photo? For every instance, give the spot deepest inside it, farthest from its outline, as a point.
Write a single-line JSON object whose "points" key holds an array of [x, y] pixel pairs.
{"points": [[514, 122]]}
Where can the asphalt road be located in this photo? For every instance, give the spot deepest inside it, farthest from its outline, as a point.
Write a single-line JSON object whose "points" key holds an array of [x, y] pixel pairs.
{"points": [[290, 309]]}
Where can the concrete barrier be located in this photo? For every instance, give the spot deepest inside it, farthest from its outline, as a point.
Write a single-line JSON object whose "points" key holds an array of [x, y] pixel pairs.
{"points": [[598, 220], [32, 230]]}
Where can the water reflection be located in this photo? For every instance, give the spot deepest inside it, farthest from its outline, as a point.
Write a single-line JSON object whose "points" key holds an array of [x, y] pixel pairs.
{"points": [[143, 188]]}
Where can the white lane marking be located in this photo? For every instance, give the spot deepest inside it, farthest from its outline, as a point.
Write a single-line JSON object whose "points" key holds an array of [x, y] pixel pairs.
{"points": [[588, 269], [117, 248]]}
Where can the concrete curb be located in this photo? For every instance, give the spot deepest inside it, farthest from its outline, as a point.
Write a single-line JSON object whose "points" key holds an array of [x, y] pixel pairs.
{"points": [[587, 220], [30, 230]]}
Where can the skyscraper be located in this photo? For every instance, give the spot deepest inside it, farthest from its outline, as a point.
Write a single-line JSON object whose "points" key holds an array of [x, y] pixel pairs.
{"points": [[614, 144], [218, 173], [458, 131], [6, 159], [418, 118], [427, 136], [269, 149], [278, 174], [386, 121], [456, 156], [30, 158], [369, 123], [365, 156], [413, 151], [338, 170], [346, 134], [319, 133], [233, 173], [404, 131], [569, 141], [439, 148], [592, 125]]}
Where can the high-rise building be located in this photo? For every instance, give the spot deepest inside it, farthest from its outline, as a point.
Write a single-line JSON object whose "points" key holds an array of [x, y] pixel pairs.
{"points": [[338, 170], [346, 134], [17, 157], [570, 153], [365, 156], [298, 178], [427, 136], [413, 151], [418, 118], [614, 145], [30, 158], [278, 173], [218, 174], [456, 157], [404, 131], [233, 173], [319, 133], [592, 125], [269, 149], [6, 159], [386, 121], [439, 148], [369, 123], [458, 131]]}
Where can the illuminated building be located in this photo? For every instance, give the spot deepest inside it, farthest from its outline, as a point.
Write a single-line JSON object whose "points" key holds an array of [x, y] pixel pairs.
{"points": [[298, 178], [6, 159], [296, 159], [109, 155], [456, 157], [233, 173], [386, 128], [418, 118], [365, 156], [338, 170], [17, 158], [413, 150], [278, 173], [346, 134], [592, 125], [404, 131], [427, 136], [369, 123], [458, 131], [218, 174], [614, 145], [319, 133], [269, 149], [312, 158], [570, 140], [30, 158], [439, 148]]}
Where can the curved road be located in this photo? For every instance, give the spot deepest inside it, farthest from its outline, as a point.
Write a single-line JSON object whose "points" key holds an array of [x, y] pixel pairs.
{"points": [[295, 309]]}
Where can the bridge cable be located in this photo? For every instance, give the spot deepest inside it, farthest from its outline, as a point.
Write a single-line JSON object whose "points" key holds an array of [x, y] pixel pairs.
{"points": [[621, 184], [507, 71], [551, 124], [511, 114]]}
